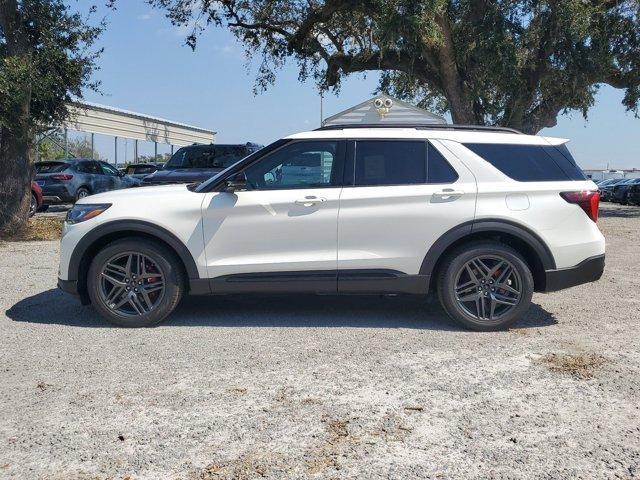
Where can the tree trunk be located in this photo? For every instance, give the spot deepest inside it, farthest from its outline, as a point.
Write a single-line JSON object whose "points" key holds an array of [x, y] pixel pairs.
{"points": [[16, 138], [15, 180]]}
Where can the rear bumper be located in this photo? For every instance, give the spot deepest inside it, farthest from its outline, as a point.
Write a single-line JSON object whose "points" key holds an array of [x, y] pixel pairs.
{"points": [[588, 270], [54, 194]]}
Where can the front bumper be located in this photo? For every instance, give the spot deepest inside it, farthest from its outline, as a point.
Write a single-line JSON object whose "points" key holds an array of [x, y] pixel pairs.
{"points": [[589, 270], [68, 286]]}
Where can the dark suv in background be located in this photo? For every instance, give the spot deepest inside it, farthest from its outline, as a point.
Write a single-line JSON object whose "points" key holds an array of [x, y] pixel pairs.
{"points": [[620, 192], [197, 163], [68, 180]]}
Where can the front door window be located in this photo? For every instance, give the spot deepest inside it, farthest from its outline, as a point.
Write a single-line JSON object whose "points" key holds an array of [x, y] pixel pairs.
{"points": [[299, 165]]}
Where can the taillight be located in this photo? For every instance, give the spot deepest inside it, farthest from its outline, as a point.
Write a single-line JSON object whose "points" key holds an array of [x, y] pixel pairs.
{"points": [[62, 176], [587, 200]]}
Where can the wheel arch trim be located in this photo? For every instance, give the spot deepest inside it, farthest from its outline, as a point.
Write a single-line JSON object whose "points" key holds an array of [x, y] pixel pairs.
{"points": [[488, 225], [130, 227]]}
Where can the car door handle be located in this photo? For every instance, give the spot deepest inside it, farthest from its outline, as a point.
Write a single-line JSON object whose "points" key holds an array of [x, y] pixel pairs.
{"points": [[310, 201], [448, 194]]}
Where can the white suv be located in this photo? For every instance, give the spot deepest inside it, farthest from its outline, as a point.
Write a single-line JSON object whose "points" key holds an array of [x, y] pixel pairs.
{"points": [[485, 216]]}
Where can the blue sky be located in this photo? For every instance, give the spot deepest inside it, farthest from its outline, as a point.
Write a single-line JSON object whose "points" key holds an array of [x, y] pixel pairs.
{"points": [[147, 68]]}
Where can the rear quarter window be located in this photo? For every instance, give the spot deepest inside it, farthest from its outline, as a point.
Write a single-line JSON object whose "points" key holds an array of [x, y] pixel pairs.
{"points": [[530, 163]]}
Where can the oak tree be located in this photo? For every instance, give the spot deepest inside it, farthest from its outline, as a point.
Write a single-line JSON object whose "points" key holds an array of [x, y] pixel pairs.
{"points": [[45, 61], [515, 63]]}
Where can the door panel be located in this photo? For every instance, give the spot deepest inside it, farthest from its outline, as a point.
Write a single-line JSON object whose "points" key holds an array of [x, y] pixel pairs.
{"points": [[392, 227], [286, 220], [271, 231]]}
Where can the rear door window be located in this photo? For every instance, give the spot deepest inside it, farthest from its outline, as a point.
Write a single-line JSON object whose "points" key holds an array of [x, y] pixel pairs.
{"points": [[390, 162], [530, 163], [88, 167], [438, 169]]}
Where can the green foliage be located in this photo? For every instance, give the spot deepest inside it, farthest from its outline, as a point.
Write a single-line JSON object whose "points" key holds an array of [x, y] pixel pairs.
{"points": [[517, 63], [52, 148], [45, 57]]}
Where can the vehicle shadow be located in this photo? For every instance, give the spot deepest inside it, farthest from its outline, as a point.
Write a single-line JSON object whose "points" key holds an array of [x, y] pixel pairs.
{"points": [[55, 307]]}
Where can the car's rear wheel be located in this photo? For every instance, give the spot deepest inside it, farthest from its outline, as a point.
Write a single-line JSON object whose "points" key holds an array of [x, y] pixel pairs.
{"points": [[82, 192], [135, 282], [33, 205], [485, 286]]}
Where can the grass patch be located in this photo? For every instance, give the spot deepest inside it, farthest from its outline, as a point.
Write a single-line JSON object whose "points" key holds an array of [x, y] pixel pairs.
{"points": [[581, 366], [37, 229]]}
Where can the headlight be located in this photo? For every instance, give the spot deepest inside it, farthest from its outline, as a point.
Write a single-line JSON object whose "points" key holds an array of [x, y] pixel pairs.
{"points": [[85, 211]]}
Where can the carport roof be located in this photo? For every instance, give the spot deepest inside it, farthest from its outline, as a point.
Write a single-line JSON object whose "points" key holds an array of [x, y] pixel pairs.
{"points": [[95, 118]]}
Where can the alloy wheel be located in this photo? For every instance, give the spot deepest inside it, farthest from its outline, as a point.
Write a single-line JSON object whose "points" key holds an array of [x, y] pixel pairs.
{"points": [[33, 206], [131, 284], [488, 287]]}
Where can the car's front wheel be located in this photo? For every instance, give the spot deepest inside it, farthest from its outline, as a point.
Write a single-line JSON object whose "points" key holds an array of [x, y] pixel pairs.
{"points": [[485, 285], [135, 282]]}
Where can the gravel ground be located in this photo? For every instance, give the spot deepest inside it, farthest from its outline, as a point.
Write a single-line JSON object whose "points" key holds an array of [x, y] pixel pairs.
{"points": [[321, 387]]}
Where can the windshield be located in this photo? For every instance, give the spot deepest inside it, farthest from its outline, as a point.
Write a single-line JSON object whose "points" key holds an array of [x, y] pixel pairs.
{"points": [[50, 167], [207, 156]]}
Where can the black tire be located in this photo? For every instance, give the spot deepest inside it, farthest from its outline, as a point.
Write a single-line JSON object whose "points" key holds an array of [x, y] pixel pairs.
{"points": [[451, 271], [165, 262], [33, 205], [82, 192], [43, 208]]}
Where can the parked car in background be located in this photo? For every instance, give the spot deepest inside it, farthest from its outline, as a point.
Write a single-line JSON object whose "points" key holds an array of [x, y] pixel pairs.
{"points": [[141, 170], [633, 197], [36, 199], [68, 180], [606, 190], [197, 163], [620, 191], [608, 181]]}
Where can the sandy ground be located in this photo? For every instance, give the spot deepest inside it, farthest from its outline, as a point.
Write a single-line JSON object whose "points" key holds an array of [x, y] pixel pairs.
{"points": [[321, 387]]}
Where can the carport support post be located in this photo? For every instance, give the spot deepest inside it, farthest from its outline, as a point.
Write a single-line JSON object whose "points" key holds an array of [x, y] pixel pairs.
{"points": [[66, 143], [116, 150], [93, 152], [155, 153], [172, 150], [135, 150]]}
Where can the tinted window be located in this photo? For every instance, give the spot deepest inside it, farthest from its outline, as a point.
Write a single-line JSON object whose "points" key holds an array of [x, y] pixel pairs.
{"points": [[88, 167], [438, 169], [108, 169], [529, 163], [298, 165], [207, 156], [50, 167], [390, 162], [140, 169]]}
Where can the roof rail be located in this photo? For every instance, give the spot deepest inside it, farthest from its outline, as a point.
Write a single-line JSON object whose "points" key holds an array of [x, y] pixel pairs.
{"points": [[418, 126]]}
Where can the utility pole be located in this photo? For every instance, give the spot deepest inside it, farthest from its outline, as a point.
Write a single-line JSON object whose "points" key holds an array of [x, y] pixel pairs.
{"points": [[321, 106]]}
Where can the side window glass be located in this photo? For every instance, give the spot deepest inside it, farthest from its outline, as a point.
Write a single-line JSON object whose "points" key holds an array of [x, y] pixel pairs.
{"points": [[200, 158], [108, 169], [299, 165], [438, 169], [390, 162], [85, 167]]}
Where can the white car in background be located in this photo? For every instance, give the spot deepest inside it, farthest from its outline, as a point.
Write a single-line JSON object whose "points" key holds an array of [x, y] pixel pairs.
{"points": [[484, 216]]}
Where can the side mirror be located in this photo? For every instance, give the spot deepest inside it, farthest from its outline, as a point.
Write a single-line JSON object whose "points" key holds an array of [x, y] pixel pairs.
{"points": [[237, 183]]}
